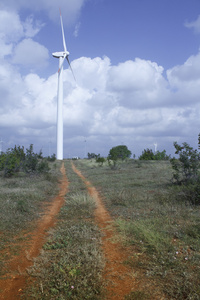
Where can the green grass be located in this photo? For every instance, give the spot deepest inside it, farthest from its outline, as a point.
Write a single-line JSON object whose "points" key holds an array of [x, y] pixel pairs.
{"points": [[71, 264], [21, 203], [153, 217]]}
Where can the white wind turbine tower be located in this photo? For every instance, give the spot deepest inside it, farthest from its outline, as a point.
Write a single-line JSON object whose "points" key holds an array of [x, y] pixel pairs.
{"points": [[61, 55], [155, 145]]}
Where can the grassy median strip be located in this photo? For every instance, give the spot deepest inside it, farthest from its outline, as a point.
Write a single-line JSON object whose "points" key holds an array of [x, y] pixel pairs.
{"points": [[71, 262]]}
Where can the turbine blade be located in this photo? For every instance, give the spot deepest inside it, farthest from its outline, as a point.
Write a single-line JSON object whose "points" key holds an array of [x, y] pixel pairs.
{"points": [[70, 67], [63, 35], [63, 59]]}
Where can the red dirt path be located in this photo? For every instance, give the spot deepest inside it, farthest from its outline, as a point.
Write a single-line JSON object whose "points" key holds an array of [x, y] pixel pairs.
{"points": [[15, 281], [119, 278], [117, 275]]}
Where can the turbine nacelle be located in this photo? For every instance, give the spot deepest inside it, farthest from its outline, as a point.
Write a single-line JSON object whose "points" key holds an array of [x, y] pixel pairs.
{"points": [[60, 54]]}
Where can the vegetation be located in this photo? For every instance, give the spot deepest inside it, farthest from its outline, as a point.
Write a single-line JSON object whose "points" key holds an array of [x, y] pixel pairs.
{"points": [[186, 173], [157, 218], [153, 218], [16, 160], [71, 264], [186, 167], [92, 155], [148, 154], [120, 152], [100, 160], [21, 203]]}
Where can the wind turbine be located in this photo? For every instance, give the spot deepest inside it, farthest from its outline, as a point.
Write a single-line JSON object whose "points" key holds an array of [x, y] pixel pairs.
{"points": [[61, 55], [155, 145]]}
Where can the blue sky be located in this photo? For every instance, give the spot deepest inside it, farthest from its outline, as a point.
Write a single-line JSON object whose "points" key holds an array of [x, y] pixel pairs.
{"points": [[137, 66]]}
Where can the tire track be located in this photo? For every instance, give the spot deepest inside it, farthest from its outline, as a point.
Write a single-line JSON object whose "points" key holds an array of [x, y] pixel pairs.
{"points": [[13, 284], [116, 274]]}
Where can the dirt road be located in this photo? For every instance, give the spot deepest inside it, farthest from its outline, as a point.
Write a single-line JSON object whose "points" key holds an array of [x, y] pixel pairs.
{"points": [[116, 274], [119, 278], [14, 282]]}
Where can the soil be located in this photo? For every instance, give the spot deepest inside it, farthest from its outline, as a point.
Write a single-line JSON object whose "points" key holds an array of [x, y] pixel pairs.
{"points": [[119, 277], [13, 284]]}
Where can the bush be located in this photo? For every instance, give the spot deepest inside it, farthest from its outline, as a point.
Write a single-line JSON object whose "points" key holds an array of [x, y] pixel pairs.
{"points": [[187, 165], [15, 160], [43, 166], [148, 154], [100, 160], [52, 157], [186, 173]]}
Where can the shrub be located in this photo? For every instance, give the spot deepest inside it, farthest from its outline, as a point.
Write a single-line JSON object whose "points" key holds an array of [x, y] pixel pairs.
{"points": [[15, 160], [43, 166], [52, 157], [100, 160], [31, 160], [187, 165], [148, 154]]}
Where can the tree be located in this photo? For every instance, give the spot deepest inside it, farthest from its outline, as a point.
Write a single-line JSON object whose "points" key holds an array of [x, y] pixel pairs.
{"points": [[119, 152], [92, 155], [148, 154], [100, 160], [187, 165], [161, 155]]}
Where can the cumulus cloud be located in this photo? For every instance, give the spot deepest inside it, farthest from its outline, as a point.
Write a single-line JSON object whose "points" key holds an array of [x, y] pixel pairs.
{"points": [[30, 54], [13, 41], [70, 9], [11, 28], [138, 83], [184, 81], [129, 102]]}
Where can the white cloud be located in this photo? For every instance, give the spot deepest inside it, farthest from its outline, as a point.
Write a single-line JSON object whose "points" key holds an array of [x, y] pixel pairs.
{"points": [[194, 25], [76, 30], [30, 54], [70, 9], [97, 107], [11, 29], [138, 83], [184, 80], [32, 27]]}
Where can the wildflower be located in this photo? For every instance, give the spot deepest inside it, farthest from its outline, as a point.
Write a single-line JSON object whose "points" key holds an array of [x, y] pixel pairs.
{"points": [[72, 287]]}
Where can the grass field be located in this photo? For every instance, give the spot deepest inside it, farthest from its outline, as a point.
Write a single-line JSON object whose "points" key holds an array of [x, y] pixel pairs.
{"points": [[151, 218]]}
